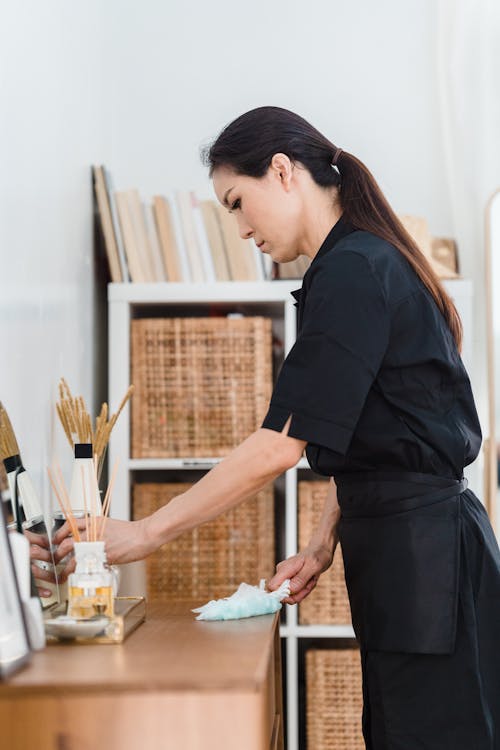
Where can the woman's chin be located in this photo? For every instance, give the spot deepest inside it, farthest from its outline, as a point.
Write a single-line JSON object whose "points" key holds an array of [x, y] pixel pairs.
{"points": [[281, 257]]}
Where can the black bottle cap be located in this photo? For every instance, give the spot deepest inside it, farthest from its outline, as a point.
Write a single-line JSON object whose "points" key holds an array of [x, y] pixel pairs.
{"points": [[12, 463], [83, 450]]}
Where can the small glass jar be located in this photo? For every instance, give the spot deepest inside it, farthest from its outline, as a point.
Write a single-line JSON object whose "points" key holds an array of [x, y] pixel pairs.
{"points": [[59, 519], [37, 526], [90, 587]]}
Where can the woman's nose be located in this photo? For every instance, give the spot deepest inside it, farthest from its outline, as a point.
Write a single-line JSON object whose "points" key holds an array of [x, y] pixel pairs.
{"points": [[244, 228]]}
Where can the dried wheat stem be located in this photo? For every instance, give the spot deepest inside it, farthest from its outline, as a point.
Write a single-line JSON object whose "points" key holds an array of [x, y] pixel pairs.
{"points": [[8, 445]]}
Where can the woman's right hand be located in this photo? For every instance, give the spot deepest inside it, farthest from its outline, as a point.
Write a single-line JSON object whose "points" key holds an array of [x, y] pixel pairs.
{"points": [[304, 570], [40, 551]]}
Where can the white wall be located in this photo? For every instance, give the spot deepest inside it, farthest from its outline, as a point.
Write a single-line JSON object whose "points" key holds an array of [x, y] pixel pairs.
{"points": [[53, 127], [141, 86], [362, 72]]}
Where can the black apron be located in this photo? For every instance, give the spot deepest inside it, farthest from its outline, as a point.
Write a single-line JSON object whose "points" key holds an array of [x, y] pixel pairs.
{"points": [[400, 542], [422, 569]]}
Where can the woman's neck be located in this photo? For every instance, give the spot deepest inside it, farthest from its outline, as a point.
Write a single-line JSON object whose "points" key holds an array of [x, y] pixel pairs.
{"points": [[321, 212]]}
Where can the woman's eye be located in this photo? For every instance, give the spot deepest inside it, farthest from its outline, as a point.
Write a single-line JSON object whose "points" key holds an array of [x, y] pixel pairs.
{"points": [[235, 205]]}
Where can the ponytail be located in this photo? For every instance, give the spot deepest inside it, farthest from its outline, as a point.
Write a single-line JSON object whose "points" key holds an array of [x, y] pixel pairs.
{"points": [[366, 207]]}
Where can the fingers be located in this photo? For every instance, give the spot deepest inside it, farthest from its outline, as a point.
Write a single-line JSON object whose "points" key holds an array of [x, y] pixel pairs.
{"points": [[44, 593], [41, 540], [47, 574], [305, 591], [288, 568], [302, 578], [65, 530], [303, 570], [40, 553], [63, 549], [61, 533], [42, 574], [69, 568]]}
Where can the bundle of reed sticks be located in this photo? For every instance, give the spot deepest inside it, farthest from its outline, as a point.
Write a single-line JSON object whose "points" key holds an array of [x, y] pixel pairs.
{"points": [[74, 416], [77, 423], [8, 442], [95, 523]]}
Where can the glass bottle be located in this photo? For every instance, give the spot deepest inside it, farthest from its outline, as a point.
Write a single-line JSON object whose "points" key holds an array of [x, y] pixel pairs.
{"points": [[84, 491], [90, 587]]}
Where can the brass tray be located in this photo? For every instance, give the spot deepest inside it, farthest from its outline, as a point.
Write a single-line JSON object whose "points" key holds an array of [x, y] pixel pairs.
{"points": [[130, 612]]}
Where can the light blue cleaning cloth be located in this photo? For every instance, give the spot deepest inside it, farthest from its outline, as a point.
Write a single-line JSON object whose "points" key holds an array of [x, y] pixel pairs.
{"points": [[247, 601]]}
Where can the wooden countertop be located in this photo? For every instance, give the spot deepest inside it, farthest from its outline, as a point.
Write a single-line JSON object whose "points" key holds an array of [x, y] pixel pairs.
{"points": [[170, 651]]}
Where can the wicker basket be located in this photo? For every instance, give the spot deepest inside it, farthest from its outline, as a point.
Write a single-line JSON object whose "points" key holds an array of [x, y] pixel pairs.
{"points": [[212, 560], [202, 385], [329, 603], [334, 700]]}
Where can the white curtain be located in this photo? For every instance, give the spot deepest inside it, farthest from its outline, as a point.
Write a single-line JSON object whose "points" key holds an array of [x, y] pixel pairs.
{"points": [[468, 69]]}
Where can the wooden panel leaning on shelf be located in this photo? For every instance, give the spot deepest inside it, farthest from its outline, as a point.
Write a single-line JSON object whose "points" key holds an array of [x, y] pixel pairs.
{"points": [[328, 604], [211, 561]]}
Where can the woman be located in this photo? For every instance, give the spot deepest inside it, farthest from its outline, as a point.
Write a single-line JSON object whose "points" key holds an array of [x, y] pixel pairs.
{"points": [[376, 391]]}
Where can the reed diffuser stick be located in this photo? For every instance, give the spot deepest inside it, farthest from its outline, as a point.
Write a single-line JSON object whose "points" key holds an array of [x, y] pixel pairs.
{"points": [[67, 501], [93, 484], [107, 499], [85, 503], [65, 511], [75, 532]]}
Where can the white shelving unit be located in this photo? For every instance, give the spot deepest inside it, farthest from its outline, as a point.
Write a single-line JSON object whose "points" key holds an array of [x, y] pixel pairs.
{"points": [[272, 298]]}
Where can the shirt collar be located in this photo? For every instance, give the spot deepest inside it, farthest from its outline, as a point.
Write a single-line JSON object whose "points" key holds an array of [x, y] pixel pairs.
{"points": [[340, 229]]}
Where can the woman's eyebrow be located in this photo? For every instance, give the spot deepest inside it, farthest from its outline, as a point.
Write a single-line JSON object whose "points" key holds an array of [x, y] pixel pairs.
{"points": [[224, 200]]}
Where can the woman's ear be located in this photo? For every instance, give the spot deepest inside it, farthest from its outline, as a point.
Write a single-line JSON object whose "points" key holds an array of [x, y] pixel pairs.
{"points": [[282, 169]]}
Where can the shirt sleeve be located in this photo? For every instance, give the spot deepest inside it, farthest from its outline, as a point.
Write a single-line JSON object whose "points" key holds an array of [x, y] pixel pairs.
{"points": [[325, 379]]}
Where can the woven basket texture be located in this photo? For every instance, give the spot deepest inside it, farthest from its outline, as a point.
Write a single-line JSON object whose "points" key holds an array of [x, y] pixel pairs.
{"points": [[334, 700], [202, 385], [329, 603], [212, 560]]}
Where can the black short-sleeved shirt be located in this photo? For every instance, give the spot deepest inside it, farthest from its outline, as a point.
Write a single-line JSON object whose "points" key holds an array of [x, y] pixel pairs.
{"points": [[374, 380]]}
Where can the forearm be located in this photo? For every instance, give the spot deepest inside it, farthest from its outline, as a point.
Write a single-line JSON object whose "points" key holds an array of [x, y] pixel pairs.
{"points": [[254, 463], [327, 529]]}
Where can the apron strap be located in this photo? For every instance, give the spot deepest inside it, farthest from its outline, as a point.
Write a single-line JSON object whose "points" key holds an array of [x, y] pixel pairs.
{"points": [[446, 489]]}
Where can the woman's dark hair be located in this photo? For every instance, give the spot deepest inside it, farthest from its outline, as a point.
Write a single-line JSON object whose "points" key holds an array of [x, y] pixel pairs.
{"points": [[248, 144]]}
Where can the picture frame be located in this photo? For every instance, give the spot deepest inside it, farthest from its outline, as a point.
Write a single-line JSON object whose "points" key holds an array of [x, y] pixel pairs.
{"points": [[15, 650]]}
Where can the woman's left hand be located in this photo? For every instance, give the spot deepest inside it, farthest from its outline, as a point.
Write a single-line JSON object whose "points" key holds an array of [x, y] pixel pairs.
{"points": [[304, 569]]}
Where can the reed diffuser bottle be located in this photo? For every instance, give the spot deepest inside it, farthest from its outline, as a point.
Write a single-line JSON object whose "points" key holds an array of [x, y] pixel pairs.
{"points": [[84, 490], [91, 585]]}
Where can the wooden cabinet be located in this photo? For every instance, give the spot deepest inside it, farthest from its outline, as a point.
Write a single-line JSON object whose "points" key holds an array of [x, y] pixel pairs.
{"points": [[175, 684]]}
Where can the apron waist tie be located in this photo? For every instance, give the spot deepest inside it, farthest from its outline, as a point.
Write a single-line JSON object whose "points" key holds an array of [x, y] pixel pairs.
{"points": [[351, 486]]}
